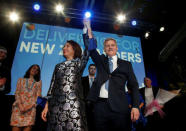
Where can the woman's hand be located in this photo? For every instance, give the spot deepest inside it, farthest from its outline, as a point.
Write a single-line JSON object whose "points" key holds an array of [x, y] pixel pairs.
{"points": [[21, 108], [44, 112]]}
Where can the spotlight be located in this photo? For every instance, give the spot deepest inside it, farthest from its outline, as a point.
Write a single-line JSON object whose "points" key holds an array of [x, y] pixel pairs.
{"points": [[147, 35], [87, 14], [121, 18], [59, 8], [162, 29], [13, 16], [36, 7], [133, 22]]}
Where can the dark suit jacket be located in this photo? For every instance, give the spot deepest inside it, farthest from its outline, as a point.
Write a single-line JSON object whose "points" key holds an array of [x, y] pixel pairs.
{"points": [[117, 80], [86, 87]]}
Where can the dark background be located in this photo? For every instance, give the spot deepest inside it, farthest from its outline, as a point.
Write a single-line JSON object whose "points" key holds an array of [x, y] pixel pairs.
{"points": [[150, 16]]}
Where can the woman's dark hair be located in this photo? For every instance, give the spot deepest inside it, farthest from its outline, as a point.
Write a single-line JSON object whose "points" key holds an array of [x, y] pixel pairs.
{"points": [[76, 48], [37, 76]]}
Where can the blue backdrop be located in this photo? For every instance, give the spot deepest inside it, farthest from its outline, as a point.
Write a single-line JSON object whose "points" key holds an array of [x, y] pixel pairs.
{"points": [[43, 44]]}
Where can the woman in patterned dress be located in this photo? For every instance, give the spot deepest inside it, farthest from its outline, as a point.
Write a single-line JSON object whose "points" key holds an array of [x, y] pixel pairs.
{"points": [[65, 109], [24, 107]]}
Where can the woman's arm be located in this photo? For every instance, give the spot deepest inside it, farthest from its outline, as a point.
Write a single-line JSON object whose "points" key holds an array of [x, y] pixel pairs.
{"points": [[18, 100], [39, 88], [52, 83], [92, 43], [44, 112]]}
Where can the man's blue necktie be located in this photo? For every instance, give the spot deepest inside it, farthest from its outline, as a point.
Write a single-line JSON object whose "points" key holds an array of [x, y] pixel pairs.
{"points": [[91, 81], [111, 64]]}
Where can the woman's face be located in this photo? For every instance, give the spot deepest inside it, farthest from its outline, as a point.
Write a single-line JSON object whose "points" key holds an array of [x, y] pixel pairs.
{"points": [[68, 51], [34, 70]]}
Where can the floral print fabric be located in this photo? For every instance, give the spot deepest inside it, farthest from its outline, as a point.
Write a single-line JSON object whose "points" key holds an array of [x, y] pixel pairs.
{"points": [[26, 93]]}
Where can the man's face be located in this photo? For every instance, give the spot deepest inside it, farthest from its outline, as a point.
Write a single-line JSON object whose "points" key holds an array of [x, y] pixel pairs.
{"points": [[2, 55], [147, 82], [92, 70], [110, 48]]}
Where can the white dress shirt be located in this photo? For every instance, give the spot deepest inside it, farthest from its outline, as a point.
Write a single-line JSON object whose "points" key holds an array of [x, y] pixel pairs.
{"points": [[149, 97], [103, 90]]}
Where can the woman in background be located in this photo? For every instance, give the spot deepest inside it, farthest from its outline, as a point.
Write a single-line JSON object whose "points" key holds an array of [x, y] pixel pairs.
{"points": [[24, 107]]}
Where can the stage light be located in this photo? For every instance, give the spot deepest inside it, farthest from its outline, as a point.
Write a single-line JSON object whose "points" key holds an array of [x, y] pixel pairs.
{"points": [[36, 7], [13, 16], [134, 22], [162, 29], [59, 8], [121, 18], [147, 35], [87, 14]]}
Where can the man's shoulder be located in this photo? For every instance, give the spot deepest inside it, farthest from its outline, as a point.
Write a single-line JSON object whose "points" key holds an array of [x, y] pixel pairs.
{"points": [[124, 61], [84, 77], [142, 89]]}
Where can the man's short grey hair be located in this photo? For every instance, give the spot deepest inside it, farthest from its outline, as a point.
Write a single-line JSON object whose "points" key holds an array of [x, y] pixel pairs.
{"points": [[109, 39]]}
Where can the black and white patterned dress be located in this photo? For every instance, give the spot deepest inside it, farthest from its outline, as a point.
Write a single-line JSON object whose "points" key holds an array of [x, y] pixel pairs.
{"points": [[66, 105]]}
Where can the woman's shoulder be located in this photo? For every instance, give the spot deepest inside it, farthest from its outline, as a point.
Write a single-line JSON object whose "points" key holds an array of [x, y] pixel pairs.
{"points": [[39, 82], [59, 64], [21, 79]]}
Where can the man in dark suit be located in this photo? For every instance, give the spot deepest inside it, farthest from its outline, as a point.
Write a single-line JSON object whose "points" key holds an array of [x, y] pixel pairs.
{"points": [[111, 111], [88, 80], [149, 93], [87, 84]]}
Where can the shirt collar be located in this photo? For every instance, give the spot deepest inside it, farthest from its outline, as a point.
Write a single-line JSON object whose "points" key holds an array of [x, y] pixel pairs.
{"points": [[115, 58], [90, 77]]}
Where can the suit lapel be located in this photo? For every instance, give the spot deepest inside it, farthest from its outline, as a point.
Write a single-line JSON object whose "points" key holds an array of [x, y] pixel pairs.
{"points": [[106, 64], [88, 81]]}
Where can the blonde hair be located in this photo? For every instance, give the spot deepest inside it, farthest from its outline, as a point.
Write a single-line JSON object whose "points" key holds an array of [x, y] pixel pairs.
{"points": [[106, 40]]}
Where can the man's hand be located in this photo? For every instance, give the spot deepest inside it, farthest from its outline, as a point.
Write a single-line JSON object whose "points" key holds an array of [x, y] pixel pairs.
{"points": [[86, 23], [135, 114]]}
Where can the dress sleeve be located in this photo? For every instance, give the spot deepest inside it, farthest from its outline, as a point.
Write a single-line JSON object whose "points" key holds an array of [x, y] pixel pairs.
{"points": [[52, 83], [91, 45], [39, 88], [85, 56], [18, 92]]}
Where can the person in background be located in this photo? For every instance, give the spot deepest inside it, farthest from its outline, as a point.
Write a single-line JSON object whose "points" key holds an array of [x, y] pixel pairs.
{"points": [[108, 92], [149, 93], [5, 81], [4, 73], [24, 107], [65, 109], [87, 82]]}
